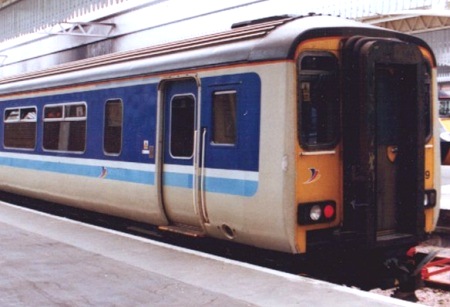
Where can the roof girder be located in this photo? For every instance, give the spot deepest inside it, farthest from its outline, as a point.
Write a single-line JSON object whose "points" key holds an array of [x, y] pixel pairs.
{"points": [[416, 24], [412, 21], [96, 29]]}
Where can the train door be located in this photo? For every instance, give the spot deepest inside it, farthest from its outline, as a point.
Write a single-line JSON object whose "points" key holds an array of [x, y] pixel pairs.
{"points": [[384, 137], [179, 107]]}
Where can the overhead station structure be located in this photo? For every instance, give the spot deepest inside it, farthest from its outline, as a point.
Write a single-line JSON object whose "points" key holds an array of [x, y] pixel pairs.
{"points": [[38, 34]]}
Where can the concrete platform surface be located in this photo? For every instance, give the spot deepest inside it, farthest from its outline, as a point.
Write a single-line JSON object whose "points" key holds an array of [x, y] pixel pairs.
{"points": [[445, 197], [51, 261], [445, 187]]}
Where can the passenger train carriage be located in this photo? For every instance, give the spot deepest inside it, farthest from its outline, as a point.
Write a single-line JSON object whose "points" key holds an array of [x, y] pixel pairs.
{"points": [[288, 133], [444, 120]]}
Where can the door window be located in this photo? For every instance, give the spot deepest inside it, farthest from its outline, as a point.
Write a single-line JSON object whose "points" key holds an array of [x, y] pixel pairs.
{"points": [[182, 126]]}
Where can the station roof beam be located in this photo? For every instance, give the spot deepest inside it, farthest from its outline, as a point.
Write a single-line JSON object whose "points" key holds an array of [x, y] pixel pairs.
{"points": [[412, 21], [87, 29]]}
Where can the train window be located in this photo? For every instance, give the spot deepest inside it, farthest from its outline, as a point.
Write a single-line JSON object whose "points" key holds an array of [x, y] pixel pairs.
{"points": [[314, 62], [318, 118], [444, 107], [53, 112], [224, 118], [427, 101], [65, 127], [112, 132], [182, 126], [20, 128]]}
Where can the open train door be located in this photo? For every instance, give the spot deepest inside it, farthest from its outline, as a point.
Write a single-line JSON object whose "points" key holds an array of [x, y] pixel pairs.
{"points": [[384, 136], [178, 157]]}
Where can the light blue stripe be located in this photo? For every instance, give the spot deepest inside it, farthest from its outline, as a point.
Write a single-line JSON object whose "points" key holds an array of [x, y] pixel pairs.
{"points": [[178, 180], [212, 184], [231, 186], [136, 176]]}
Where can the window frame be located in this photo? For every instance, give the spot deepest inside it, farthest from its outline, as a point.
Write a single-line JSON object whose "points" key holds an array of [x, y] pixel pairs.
{"points": [[18, 121], [428, 102], [109, 101], [213, 121], [302, 76], [64, 118], [171, 125]]}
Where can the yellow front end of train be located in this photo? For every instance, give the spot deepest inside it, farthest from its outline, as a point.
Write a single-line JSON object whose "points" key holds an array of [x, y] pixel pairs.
{"points": [[367, 168]]}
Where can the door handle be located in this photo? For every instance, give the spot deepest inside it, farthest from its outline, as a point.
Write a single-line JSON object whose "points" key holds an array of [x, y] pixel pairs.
{"points": [[202, 176]]}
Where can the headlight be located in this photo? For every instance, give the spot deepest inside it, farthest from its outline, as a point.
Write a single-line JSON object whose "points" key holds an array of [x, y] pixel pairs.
{"points": [[316, 212]]}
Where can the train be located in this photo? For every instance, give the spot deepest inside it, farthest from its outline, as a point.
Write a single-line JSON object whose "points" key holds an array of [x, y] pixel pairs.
{"points": [[444, 120], [286, 133]]}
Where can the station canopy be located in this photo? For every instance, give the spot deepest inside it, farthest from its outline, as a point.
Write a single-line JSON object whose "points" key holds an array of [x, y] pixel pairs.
{"points": [[20, 17]]}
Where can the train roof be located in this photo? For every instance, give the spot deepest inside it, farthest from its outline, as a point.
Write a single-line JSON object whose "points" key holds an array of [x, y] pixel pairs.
{"points": [[273, 38]]}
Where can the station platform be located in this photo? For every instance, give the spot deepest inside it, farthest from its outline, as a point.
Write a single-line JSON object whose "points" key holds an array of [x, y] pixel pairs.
{"points": [[52, 261], [445, 187], [445, 197]]}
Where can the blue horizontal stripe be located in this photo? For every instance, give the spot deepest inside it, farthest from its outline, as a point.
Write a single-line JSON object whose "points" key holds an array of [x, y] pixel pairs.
{"points": [[231, 186], [212, 184], [143, 177], [178, 180], [135, 176]]}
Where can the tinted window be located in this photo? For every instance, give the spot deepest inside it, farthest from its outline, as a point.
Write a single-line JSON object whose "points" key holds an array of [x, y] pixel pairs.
{"points": [[65, 127], [20, 128], [112, 138], [318, 97], [224, 118], [427, 101], [182, 126]]}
